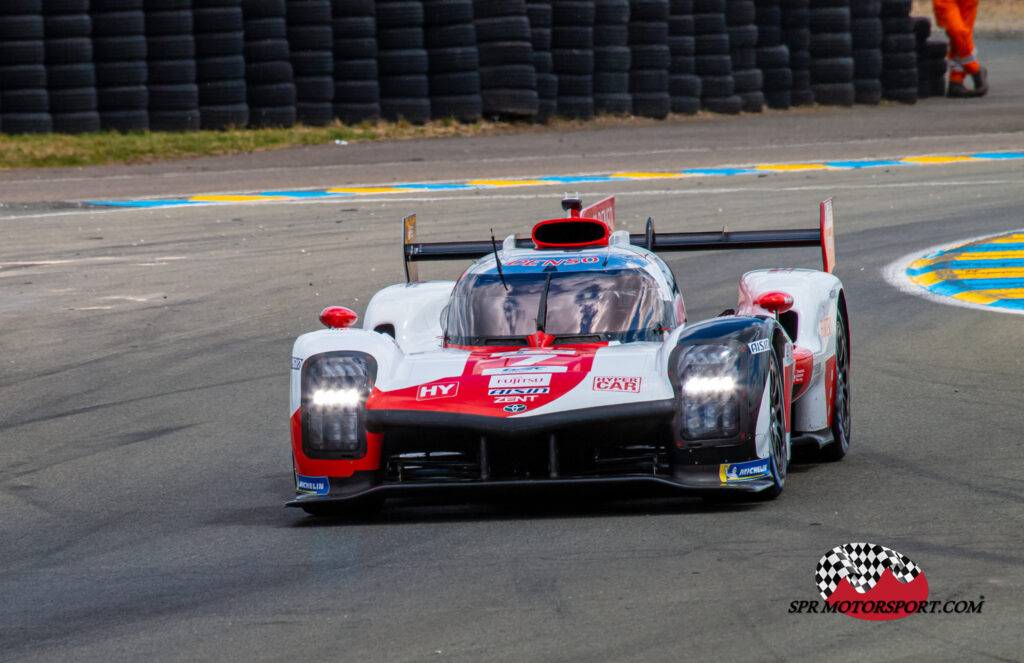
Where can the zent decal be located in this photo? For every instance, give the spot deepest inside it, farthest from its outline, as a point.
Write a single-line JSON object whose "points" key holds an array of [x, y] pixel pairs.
{"points": [[312, 485], [441, 390], [757, 347], [748, 471], [610, 383]]}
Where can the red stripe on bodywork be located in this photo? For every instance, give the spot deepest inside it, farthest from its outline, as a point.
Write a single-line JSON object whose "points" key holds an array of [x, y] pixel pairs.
{"points": [[830, 387], [319, 467], [565, 368], [804, 359]]}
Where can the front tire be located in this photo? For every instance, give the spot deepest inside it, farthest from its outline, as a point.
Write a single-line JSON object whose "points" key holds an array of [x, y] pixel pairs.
{"points": [[842, 418], [778, 442]]}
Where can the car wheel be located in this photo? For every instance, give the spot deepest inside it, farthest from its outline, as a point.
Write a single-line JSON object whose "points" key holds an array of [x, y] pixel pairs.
{"points": [[778, 446], [841, 417]]}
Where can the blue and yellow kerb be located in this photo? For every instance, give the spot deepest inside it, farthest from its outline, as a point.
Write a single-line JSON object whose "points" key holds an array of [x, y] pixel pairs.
{"points": [[986, 272], [476, 185]]}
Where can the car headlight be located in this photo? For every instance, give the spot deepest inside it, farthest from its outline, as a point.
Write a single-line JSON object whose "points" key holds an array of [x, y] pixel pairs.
{"points": [[708, 377], [334, 391]]}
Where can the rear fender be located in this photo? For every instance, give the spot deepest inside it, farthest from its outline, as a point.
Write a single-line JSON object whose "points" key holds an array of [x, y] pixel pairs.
{"points": [[810, 324], [412, 311]]}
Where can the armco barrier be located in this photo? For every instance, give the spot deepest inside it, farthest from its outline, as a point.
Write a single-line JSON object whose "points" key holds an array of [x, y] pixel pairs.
{"points": [[177, 65]]}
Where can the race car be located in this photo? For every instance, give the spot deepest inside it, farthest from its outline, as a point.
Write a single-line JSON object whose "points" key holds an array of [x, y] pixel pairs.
{"points": [[566, 360]]}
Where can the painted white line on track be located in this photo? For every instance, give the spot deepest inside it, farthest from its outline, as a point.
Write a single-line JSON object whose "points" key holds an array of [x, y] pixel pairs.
{"points": [[491, 194], [681, 150]]}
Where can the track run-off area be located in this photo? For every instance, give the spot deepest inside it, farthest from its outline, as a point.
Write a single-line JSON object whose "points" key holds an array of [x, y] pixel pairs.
{"points": [[144, 461]]}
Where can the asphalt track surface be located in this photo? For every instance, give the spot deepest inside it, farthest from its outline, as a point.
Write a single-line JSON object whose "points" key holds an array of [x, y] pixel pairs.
{"points": [[144, 458]]}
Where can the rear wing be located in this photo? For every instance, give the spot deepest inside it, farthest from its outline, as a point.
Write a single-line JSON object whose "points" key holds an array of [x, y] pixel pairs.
{"points": [[604, 212]]}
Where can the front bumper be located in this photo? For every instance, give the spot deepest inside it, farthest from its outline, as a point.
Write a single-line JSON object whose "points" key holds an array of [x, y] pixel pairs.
{"points": [[694, 481]]}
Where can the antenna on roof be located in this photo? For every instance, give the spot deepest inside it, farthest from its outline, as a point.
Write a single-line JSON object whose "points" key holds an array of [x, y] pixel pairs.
{"points": [[497, 260]]}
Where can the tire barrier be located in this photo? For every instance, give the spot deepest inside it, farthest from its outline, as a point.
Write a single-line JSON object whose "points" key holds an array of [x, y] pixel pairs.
{"points": [[269, 77], [650, 58], [74, 66], [866, 32], [796, 33], [453, 61], [540, 16], [402, 61], [508, 81], [356, 92], [612, 59], [311, 42], [171, 59], [899, 52], [220, 63], [120, 49], [740, 17], [71, 71], [684, 86], [714, 58], [773, 56]]}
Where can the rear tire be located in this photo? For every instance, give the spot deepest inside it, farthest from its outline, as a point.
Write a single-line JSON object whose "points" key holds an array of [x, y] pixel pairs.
{"points": [[841, 414]]}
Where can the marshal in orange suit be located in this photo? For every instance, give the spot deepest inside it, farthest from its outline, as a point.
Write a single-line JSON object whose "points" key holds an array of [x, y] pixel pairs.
{"points": [[957, 17]]}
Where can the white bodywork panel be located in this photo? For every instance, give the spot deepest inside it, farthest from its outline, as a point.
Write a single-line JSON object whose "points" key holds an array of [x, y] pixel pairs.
{"points": [[815, 301]]}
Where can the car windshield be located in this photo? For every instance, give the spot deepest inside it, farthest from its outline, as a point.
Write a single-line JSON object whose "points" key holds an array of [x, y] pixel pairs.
{"points": [[575, 307]]}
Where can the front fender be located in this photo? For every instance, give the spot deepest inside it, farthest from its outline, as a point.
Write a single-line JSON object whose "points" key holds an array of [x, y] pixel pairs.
{"points": [[382, 347], [756, 339]]}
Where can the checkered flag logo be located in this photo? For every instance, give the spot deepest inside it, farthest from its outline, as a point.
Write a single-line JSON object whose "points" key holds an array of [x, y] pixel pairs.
{"points": [[862, 564]]}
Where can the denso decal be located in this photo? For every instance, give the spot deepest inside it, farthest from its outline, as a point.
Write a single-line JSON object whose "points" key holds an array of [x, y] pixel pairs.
{"points": [[550, 262], [616, 383], [748, 471], [427, 392], [312, 485], [517, 391], [513, 370], [503, 381], [757, 347]]}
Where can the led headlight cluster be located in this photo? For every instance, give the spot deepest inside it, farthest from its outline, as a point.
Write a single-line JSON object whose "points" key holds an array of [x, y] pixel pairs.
{"points": [[708, 376], [334, 391]]}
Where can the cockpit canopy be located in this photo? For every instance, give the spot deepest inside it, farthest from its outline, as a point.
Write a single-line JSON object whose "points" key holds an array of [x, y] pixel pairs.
{"points": [[575, 307]]}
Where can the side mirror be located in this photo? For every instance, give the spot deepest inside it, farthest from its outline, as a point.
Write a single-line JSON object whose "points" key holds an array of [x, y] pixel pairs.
{"points": [[338, 317]]}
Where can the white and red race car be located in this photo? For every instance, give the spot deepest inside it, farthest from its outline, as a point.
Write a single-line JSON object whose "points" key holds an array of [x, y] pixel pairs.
{"points": [[567, 359]]}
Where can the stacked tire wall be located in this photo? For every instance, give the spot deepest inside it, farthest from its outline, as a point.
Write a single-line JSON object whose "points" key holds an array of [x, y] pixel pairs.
{"points": [[77, 66]]}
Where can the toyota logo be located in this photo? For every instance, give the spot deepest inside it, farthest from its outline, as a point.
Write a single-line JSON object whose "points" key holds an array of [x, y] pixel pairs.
{"points": [[513, 409]]}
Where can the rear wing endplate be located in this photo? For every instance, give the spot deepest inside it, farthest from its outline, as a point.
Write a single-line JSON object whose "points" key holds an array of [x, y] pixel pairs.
{"points": [[823, 236]]}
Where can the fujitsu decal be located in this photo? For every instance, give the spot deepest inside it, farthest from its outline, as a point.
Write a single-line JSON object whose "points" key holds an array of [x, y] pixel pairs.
{"points": [[551, 262], [869, 581], [428, 392], [617, 383]]}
